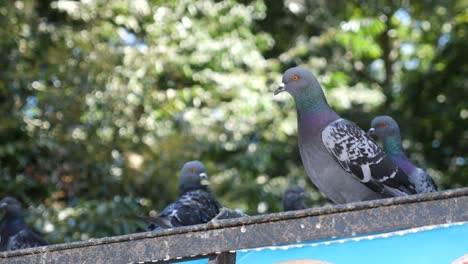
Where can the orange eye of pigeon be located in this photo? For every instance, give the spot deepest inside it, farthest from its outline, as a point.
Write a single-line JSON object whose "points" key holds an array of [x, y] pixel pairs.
{"points": [[192, 170], [382, 124], [295, 77]]}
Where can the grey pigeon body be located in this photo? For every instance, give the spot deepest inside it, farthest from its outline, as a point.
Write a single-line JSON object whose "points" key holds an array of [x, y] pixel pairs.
{"points": [[338, 156], [294, 198], [386, 129], [195, 204], [14, 233]]}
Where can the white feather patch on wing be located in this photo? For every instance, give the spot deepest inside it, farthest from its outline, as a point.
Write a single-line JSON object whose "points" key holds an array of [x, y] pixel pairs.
{"points": [[366, 172], [173, 213], [383, 179]]}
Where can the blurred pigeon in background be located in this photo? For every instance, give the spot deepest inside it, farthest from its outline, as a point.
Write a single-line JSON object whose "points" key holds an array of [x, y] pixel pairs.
{"points": [[338, 156], [294, 198], [14, 233], [195, 204], [386, 129]]}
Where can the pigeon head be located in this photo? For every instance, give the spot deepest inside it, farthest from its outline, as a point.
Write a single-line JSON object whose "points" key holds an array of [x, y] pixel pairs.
{"points": [[193, 176], [304, 88], [297, 80], [10, 206], [384, 127], [294, 198]]}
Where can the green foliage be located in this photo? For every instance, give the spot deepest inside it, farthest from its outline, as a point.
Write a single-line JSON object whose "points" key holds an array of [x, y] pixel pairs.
{"points": [[103, 101]]}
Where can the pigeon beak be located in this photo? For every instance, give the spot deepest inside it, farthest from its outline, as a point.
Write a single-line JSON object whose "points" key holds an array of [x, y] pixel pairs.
{"points": [[204, 179], [371, 133], [281, 88], [3, 205]]}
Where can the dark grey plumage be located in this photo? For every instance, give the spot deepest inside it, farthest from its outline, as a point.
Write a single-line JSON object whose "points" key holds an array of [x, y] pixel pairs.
{"points": [[14, 233], [195, 204], [294, 198]]}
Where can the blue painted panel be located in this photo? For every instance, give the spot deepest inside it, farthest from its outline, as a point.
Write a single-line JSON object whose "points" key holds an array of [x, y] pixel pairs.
{"points": [[197, 261], [429, 245]]}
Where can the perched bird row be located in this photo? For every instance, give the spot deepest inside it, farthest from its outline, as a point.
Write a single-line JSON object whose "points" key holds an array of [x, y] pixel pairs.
{"points": [[340, 158]]}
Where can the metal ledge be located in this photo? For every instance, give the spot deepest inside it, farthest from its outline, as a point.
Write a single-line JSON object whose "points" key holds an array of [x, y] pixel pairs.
{"points": [[257, 231]]}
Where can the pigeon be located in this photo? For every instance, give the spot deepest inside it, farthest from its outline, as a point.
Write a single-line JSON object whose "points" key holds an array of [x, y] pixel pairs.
{"points": [[14, 233], [294, 198], [339, 157], [387, 130], [195, 204]]}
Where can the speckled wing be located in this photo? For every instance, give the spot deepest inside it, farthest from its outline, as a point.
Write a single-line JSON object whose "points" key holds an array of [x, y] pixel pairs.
{"points": [[364, 159], [193, 207], [423, 181], [25, 238], [163, 220]]}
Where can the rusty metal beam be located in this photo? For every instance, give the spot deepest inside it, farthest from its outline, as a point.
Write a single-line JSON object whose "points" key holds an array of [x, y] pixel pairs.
{"points": [[257, 231]]}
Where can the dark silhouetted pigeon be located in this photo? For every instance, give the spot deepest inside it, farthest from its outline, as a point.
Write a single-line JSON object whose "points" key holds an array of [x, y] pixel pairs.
{"points": [[195, 204], [294, 198], [338, 156], [14, 233], [386, 129]]}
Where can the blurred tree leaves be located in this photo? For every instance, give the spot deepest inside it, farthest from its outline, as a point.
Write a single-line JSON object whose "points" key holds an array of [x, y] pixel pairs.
{"points": [[103, 101]]}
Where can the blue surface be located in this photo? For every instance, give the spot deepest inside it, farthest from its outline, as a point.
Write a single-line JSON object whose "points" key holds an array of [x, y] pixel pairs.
{"points": [[436, 246], [439, 245], [198, 261]]}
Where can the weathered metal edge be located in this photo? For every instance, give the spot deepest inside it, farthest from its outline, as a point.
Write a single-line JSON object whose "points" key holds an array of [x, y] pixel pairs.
{"points": [[248, 221]]}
